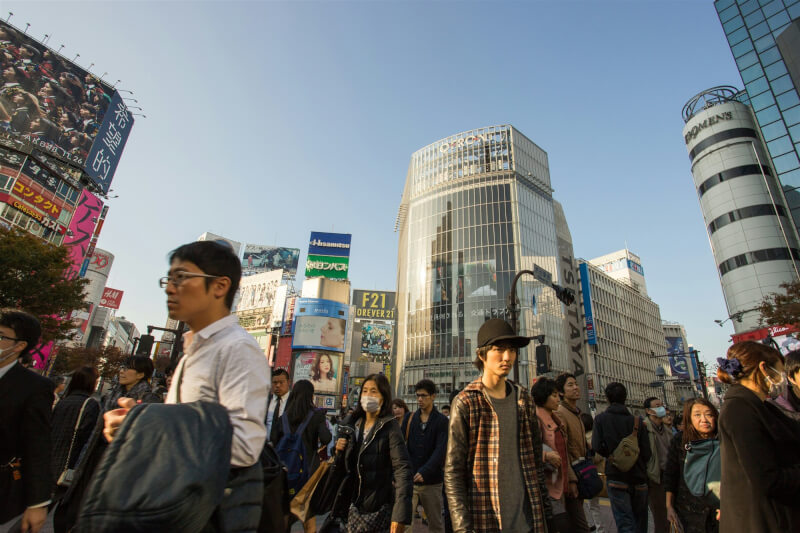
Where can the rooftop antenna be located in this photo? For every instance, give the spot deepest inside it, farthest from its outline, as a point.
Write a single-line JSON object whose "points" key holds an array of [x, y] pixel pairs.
{"points": [[27, 25], [10, 14]]}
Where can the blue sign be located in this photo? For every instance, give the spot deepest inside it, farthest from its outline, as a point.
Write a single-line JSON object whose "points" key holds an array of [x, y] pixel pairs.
{"points": [[319, 325], [636, 267], [109, 143], [84, 267], [591, 334], [678, 362], [336, 244]]}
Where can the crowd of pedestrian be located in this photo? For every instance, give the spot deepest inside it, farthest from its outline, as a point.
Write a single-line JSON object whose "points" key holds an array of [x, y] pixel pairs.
{"points": [[500, 457]]}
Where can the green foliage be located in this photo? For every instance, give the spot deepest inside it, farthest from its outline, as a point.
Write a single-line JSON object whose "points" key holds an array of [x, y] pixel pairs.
{"points": [[778, 308], [32, 279], [106, 359]]}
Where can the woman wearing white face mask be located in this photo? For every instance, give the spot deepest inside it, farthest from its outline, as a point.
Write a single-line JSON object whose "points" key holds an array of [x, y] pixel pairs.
{"points": [[760, 447], [376, 496]]}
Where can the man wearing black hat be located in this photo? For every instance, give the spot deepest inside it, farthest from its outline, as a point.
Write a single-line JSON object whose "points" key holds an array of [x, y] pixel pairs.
{"points": [[493, 426]]}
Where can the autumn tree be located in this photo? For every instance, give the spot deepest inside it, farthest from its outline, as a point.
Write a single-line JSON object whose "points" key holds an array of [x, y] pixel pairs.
{"points": [[106, 359], [779, 308], [32, 279]]}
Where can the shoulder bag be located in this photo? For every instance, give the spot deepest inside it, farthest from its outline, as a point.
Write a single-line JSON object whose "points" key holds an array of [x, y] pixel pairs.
{"points": [[66, 477], [702, 470]]}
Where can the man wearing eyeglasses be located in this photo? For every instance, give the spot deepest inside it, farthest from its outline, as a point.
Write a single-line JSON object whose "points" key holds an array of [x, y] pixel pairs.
{"points": [[426, 438], [222, 363], [25, 400]]}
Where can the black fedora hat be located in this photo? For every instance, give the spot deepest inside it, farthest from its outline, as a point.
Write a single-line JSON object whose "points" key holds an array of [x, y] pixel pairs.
{"points": [[497, 330]]}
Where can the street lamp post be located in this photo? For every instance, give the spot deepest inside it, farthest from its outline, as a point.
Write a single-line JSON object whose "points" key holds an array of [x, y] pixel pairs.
{"points": [[565, 295]]}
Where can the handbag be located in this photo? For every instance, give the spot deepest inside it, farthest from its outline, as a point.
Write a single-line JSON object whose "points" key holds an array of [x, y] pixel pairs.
{"points": [[589, 482], [374, 522], [300, 506], [702, 470], [67, 476]]}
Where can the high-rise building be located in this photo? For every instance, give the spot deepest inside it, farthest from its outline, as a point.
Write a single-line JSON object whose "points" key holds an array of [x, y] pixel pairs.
{"points": [[764, 37], [682, 361], [753, 240], [624, 266], [624, 332], [477, 208]]}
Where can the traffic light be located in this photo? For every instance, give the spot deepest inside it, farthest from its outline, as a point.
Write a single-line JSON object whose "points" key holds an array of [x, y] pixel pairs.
{"points": [[145, 345], [565, 295], [543, 363]]}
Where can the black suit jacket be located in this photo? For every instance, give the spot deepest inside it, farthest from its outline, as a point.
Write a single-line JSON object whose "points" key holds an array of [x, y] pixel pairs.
{"points": [[25, 402]]}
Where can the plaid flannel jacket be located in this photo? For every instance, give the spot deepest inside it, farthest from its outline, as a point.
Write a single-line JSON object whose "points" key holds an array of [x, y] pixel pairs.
{"points": [[472, 463]]}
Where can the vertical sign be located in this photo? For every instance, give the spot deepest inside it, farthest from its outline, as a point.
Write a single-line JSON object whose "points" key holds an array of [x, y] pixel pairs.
{"points": [[81, 229], [591, 334], [109, 143]]}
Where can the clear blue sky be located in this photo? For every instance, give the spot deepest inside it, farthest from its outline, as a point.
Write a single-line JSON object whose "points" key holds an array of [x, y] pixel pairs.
{"points": [[266, 120]]}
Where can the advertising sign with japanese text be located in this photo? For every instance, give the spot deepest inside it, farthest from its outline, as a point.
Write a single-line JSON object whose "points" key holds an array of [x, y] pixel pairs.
{"points": [[36, 196], [591, 334], [58, 106], [107, 148], [331, 267], [111, 298], [81, 228], [319, 324], [259, 258], [378, 305]]}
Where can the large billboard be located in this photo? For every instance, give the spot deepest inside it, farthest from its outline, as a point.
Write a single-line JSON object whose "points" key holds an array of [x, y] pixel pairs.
{"points": [[376, 340], [319, 325], [678, 362], [258, 291], [374, 304], [56, 107], [321, 368], [260, 258], [328, 255], [81, 229]]}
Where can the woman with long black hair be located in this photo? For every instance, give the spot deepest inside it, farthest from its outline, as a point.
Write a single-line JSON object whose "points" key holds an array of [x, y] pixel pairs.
{"points": [[376, 497], [316, 434]]}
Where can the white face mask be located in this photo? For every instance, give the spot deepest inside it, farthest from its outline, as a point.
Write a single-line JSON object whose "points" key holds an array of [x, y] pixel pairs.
{"points": [[776, 388], [370, 404], [4, 354]]}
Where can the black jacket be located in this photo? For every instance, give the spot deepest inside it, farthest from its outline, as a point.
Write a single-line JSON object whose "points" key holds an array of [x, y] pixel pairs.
{"points": [[760, 450], [315, 435], [65, 416], [610, 427], [25, 402], [378, 471], [427, 447]]}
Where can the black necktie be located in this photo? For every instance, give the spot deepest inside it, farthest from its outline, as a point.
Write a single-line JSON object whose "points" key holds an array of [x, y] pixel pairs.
{"points": [[277, 410]]}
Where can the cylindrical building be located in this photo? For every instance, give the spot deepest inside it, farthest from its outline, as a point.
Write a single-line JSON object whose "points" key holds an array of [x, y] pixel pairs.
{"points": [[477, 208], [753, 240]]}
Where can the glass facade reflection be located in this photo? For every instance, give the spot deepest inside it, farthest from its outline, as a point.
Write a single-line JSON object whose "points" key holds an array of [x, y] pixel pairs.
{"points": [[763, 36], [477, 208]]}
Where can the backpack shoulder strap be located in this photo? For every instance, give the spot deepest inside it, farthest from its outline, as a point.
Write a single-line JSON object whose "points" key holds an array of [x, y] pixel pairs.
{"points": [[409, 416], [302, 426], [635, 431]]}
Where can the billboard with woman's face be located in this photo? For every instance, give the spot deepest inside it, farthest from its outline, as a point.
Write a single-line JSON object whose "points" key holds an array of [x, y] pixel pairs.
{"points": [[319, 324], [321, 368]]}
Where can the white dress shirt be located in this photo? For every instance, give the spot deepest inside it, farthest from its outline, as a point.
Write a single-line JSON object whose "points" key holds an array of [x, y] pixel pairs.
{"points": [[224, 364], [271, 410]]}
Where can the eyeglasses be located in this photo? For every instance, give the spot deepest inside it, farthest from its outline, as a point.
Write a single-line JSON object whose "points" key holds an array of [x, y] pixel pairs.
{"points": [[178, 278], [4, 338]]}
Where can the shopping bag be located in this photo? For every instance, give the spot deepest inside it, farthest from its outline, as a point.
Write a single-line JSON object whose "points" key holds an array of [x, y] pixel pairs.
{"points": [[300, 506]]}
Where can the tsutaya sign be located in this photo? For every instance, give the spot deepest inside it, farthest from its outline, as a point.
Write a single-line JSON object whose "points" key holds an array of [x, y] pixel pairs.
{"points": [[710, 121], [469, 140]]}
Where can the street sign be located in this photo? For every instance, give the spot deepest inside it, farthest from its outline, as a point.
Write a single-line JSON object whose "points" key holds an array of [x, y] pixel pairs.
{"points": [[542, 275]]}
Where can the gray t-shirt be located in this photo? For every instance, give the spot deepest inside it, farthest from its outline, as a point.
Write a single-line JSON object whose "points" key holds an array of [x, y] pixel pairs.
{"points": [[515, 512]]}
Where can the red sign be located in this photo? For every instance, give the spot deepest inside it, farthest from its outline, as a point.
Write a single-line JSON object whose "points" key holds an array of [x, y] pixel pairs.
{"points": [[40, 199], [761, 334], [34, 214], [111, 298]]}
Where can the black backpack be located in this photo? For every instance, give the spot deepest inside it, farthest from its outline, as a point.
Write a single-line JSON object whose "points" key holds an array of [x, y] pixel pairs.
{"points": [[165, 470]]}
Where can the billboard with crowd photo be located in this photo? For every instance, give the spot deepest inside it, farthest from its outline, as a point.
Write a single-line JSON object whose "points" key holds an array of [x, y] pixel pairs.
{"points": [[260, 258], [51, 104]]}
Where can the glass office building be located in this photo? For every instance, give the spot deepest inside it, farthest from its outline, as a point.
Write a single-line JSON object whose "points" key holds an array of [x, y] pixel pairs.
{"points": [[764, 36], [477, 208]]}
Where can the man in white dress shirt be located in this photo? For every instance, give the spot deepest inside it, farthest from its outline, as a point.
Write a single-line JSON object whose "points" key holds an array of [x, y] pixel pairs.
{"points": [[222, 363], [278, 398]]}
